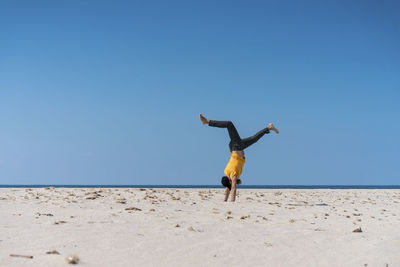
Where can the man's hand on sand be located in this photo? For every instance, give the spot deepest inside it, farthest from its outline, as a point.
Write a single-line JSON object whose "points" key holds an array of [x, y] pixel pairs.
{"points": [[271, 127]]}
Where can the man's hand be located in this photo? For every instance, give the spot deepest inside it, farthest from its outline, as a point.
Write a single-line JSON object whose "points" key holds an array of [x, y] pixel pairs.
{"points": [[233, 189], [227, 191]]}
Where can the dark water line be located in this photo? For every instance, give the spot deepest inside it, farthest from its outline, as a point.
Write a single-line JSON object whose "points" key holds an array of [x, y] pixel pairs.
{"points": [[214, 186]]}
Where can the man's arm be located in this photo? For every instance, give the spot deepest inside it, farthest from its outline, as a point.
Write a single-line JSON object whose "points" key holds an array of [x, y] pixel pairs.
{"points": [[233, 189], [226, 194]]}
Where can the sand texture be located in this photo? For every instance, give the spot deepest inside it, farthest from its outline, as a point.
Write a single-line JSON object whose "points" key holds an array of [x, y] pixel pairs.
{"points": [[194, 227]]}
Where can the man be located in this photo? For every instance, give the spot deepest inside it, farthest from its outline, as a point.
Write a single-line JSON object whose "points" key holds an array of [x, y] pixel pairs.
{"points": [[237, 145]]}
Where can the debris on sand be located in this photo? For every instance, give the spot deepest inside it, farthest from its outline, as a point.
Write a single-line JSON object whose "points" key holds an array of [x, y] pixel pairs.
{"points": [[21, 256], [190, 228], [229, 212], [177, 225], [44, 214], [267, 244], [133, 208], [60, 222], [53, 252], [357, 230], [74, 259]]}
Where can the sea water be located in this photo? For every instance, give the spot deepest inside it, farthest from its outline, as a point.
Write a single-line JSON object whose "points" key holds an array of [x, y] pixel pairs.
{"points": [[208, 186]]}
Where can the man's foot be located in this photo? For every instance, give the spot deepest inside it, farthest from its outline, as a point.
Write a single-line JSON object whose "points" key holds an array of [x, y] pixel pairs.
{"points": [[203, 119], [271, 127]]}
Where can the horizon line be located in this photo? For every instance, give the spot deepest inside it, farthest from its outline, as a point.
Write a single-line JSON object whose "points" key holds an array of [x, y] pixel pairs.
{"points": [[292, 186]]}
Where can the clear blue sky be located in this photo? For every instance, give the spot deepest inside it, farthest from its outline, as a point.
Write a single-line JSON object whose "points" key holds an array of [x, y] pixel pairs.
{"points": [[108, 92]]}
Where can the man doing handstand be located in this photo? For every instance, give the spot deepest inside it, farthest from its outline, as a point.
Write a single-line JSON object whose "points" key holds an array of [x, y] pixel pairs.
{"points": [[235, 165]]}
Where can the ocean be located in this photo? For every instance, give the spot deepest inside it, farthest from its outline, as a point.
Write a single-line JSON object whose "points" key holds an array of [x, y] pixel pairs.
{"points": [[210, 186]]}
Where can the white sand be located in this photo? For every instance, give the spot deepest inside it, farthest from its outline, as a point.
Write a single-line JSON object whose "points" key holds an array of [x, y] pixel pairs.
{"points": [[282, 227]]}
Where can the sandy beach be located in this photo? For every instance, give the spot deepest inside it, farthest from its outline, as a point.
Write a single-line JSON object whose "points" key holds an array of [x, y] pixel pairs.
{"points": [[194, 227]]}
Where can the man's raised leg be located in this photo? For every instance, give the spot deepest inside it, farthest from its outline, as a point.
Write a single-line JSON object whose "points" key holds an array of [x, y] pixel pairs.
{"points": [[233, 133], [252, 139]]}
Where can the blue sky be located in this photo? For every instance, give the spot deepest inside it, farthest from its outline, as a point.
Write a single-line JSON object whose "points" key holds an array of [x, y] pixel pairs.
{"points": [[108, 92]]}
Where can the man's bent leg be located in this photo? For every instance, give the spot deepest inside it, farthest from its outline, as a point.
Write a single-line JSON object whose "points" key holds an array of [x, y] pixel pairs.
{"points": [[233, 133], [252, 139]]}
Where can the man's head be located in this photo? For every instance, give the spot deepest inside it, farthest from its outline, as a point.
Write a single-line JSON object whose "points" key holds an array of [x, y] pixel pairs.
{"points": [[225, 181]]}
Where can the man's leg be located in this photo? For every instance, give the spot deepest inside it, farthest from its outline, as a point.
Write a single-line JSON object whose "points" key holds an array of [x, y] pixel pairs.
{"points": [[233, 133], [252, 139]]}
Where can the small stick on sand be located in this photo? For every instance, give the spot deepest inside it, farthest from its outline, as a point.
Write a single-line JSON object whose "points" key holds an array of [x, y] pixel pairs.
{"points": [[53, 252], [21, 256]]}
